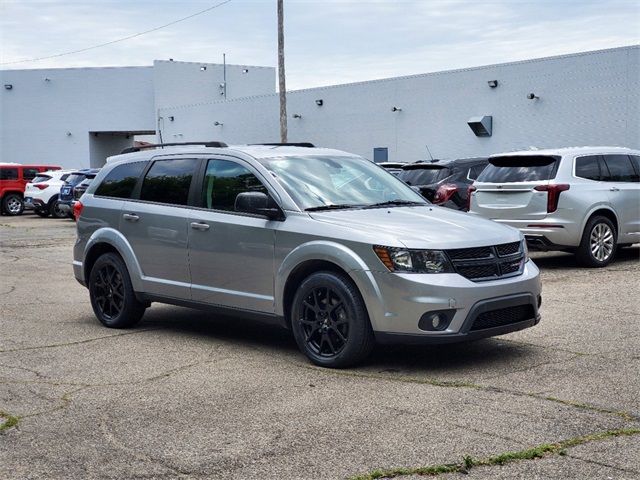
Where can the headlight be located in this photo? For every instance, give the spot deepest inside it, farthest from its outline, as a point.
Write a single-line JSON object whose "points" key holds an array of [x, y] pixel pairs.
{"points": [[403, 260]]}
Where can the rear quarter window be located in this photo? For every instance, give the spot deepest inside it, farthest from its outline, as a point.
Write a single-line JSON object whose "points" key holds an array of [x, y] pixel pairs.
{"points": [[120, 181], [41, 178], [620, 168], [588, 167], [520, 168]]}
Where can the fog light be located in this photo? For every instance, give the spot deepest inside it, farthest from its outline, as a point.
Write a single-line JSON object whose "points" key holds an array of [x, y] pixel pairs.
{"points": [[436, 321]]}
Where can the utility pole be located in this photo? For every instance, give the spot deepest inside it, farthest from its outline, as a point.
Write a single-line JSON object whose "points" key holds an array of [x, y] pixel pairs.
{"points": [[281, 77]]}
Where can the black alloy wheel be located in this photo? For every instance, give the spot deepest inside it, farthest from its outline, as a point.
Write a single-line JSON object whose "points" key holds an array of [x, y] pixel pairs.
{"points": [[324, 322], [330, 322], [112, 296]]}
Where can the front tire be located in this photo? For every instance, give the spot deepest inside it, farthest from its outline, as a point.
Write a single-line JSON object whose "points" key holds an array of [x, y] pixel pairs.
{"points": [[598, 245], [329, 321], [12, 204], [112, 297], [54, 209]]}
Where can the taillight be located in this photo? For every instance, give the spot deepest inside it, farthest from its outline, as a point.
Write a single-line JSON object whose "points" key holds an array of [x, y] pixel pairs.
{"points": [[444, 193], [553, 194], [77, 210], [41, 186], [470, 190]]}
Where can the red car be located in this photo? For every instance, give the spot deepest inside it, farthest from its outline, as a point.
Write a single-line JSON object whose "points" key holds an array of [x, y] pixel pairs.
{"points": [[13, 178]]}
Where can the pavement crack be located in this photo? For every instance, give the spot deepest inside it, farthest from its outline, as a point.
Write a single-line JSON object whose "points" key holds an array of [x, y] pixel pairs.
{"points": [[77, 342], [468, 462], [603, 464]]}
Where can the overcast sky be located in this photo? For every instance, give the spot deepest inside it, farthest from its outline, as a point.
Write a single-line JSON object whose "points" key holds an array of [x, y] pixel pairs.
{"points": [[327, 42]]}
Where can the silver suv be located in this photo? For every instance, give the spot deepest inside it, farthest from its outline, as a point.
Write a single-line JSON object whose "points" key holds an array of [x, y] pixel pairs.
{"points": [[584, 200], [319, 241]]}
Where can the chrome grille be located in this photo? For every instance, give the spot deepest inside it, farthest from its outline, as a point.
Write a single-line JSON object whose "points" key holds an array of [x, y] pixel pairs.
{"points": [[488, 263]]}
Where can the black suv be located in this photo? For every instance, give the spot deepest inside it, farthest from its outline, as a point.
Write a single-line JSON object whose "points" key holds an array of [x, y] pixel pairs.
{"points": [[444, 183], [67, 191]]}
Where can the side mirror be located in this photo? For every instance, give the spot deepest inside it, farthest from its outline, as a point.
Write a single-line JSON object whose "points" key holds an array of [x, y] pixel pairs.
{"points": [[258, 203]]}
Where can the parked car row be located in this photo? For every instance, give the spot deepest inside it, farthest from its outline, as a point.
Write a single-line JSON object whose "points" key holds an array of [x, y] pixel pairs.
{"points": [[584, 200], [47, 189]]}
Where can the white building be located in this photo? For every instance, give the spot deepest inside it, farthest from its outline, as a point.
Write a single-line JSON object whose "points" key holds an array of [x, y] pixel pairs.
{"points": [[76, 117]]}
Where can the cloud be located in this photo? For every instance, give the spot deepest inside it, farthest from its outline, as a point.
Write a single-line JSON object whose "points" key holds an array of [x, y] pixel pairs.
{"points": [[327, 42]]}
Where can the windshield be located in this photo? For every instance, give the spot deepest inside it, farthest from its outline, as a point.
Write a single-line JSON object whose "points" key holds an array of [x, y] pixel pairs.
{"points": [[519, 168], [317, 182], [423, 175]]}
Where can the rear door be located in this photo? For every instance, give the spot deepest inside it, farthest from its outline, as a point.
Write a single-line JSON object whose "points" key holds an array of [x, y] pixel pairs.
{"points": [[156, 226], [506, 187], [624, 195]]}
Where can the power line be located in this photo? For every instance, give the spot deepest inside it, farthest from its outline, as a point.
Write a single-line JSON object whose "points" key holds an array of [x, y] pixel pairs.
{"points": [[120, 39]]}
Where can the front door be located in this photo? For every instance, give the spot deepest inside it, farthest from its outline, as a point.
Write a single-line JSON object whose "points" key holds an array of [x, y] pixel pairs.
{"points": [[231, 254], [624, 195]]}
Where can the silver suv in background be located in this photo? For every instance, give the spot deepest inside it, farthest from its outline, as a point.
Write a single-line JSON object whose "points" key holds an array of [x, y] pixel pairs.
{"points": [[584, 200], [320, 241]]}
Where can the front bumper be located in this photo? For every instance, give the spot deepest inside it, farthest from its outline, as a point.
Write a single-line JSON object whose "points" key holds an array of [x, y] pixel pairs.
{"points": [[398, 301]]}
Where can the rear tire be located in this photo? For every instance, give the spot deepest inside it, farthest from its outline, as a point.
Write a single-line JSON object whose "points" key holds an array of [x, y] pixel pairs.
{"points": [[12, 204], [54, 209], [112, 297], [598, 245], [329, 321], [41, 213]]}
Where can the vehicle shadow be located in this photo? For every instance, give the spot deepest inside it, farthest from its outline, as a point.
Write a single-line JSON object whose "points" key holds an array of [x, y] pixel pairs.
{"points": [[561, 260], [451, 359]]}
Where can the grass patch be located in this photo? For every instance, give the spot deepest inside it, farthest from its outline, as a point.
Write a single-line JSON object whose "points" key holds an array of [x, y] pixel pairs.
{"points": [[468, 462], [9, 421]]}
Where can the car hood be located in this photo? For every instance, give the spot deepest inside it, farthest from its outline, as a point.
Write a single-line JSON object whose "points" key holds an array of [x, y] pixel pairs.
{"points": [[423, 227]]}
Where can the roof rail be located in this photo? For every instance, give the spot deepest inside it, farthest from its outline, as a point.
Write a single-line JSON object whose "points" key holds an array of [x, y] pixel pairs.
{"points": [[295, 144], [162, 145]]}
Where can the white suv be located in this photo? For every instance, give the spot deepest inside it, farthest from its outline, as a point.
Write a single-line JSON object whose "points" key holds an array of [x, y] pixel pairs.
{"points": [[43, 191], [584, 199]]}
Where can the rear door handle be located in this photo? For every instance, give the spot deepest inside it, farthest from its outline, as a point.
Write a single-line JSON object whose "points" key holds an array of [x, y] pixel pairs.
{"points": [[132, 217], [200, 226], [614, 189]]}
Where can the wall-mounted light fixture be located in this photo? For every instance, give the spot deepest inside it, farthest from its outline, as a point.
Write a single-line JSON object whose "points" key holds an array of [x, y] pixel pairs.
{"points": [[396, 109], [47, 79], [69, 134], [297, 115], [245, 70], [8, 86], [223, 88], [319, 102], [532, 96], [492, 83], [171, 118], [203, 68], [217, 124]]}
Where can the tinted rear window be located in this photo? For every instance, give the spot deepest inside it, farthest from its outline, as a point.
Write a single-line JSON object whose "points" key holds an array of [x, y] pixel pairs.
{"points": [[121, 181], [8, 173], [588, 167], [521, 168], [41, 178], [75, 178], [168, 181], [620, 168], [423, 175]]}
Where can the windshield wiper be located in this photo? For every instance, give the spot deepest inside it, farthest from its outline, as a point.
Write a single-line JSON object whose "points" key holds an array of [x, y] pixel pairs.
{"points": [[331, 207], [395, 202]]}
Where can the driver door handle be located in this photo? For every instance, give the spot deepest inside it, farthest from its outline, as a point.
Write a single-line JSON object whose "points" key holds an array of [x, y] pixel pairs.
{"points": [[614, 189], [200, 226], [131, 217]]}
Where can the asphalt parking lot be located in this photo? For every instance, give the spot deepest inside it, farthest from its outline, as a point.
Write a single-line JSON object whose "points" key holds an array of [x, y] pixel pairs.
{"points": [[187, 395]]}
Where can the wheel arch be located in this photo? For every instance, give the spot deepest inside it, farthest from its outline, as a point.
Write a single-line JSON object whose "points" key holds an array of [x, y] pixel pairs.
{"points": [[110, 240], [324, 256], [603, 211]]}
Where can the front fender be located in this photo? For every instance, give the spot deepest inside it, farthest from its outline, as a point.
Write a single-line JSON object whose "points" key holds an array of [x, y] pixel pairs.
{"points": [[114, 238], [343, 257]]}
